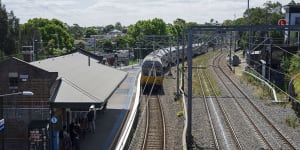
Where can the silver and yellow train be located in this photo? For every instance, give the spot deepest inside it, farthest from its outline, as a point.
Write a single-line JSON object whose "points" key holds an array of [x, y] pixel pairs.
{"points": [[152, 71], [156, 62]]}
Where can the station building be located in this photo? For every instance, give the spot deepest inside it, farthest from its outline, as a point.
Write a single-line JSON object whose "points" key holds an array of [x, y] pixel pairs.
{"points": [[64, 88]]}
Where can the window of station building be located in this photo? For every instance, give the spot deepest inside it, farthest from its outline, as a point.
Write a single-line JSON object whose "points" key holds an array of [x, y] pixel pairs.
{"points": [[297, 21], [13, 80]]}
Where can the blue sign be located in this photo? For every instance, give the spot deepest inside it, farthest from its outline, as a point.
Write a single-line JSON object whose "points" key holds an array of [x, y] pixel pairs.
{"points": [[54, 120], [2, 124]]}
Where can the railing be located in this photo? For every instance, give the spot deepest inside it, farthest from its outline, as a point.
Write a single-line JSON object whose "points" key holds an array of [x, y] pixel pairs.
{"points": [[124, 137]]}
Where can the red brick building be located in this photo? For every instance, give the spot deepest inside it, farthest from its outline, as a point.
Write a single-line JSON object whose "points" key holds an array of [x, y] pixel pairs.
{"points": [[19, 111]]}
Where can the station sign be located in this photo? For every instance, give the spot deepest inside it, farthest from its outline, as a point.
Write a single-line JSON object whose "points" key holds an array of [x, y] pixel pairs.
{"points": [[2, 124], [282, 22]]}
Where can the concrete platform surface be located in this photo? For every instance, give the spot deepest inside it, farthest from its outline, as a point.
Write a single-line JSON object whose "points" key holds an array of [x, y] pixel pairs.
{"points": [[109, 122]]}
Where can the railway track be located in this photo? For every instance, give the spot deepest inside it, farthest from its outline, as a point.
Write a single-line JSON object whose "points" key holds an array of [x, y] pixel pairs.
{"points": [[267, 132], [230, 130], [213, 139], [154, 137]]}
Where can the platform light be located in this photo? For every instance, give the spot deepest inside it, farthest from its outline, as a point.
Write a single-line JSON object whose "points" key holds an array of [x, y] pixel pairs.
{"points": [[25, 93]]}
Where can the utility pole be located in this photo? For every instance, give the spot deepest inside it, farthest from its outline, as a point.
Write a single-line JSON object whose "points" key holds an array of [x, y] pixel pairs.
{"points": [[177, 68], [170, 57], [249, 41], [190, 75], [182, 62], [33, 41]]}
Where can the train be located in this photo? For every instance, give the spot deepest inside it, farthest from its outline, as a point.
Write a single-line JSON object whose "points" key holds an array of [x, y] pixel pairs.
{"points": [[155, 64]]}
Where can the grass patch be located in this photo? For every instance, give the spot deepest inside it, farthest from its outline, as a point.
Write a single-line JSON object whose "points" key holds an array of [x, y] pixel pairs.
{"points": [[133, 61], [179, 101], [204, 61], [261, 90], [285, 104], [292, 121], [179, 113]]}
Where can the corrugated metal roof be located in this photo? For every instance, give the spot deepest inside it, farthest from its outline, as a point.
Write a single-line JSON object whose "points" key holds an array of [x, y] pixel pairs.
{"points": [[82, 82]]}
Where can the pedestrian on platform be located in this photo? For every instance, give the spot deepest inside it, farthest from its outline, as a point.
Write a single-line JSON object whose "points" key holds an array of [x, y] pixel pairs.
{"points": [[91, 120], [74, 136]]}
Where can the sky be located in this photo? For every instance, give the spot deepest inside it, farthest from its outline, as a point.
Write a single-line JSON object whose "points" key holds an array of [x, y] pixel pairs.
{"points": [[104, 12]]}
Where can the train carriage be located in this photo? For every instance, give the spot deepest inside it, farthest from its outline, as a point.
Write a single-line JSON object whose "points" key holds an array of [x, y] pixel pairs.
{"points": [[152, 71], [154, 64]]}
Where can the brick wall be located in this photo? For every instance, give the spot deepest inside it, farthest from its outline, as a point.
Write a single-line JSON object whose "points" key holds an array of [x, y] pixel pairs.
{"points": [[20, 110]]}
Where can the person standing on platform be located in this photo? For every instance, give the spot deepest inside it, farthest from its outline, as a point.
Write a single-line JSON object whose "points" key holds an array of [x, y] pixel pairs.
{"points": [[91, 120]]}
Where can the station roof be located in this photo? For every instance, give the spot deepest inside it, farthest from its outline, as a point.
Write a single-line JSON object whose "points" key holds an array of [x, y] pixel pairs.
{"points": [[83, 81]]}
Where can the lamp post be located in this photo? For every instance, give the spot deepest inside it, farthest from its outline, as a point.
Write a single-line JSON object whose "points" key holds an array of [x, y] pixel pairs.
{"points": [[25, 93], [289, 87]]}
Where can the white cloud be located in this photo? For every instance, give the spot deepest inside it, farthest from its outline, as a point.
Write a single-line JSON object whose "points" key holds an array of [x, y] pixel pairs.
{"points": [[104, 12]]}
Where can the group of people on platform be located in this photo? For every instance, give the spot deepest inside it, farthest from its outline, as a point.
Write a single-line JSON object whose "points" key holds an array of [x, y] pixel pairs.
{"points": [[70, 138]]}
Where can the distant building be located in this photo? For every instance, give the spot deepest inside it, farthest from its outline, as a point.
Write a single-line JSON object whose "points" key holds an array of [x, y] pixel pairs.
{"points": [[110, 35], [292, 15], [114, 33]]}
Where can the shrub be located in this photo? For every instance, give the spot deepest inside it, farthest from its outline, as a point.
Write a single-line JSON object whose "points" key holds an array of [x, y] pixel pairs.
{"points": [[292, 121], [180, 113]]}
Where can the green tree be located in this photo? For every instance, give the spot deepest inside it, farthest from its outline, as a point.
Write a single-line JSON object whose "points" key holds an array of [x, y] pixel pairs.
{"points": [[121, 42], [137, 31], [108, 28], [9, 31], [80, 44], [89, 32], [118, 26], [3, 26], [178, 26], [76, 31], [294, 66], [46, 35], [107, 45]]}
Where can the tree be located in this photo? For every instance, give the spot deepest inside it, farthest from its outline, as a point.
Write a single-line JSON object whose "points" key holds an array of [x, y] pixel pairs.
{"points": [[9, 31], [228, 22], [118, 26], [80, 44], [107, 45], [292, 2], [121, 42], [47, 34], [108, 28], [178, 26], [3, 26], [294, 66], [89, 32], [76, 31], [137, 31]]}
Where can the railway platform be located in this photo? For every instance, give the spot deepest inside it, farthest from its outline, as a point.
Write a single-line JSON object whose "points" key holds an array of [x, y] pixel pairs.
{"points": [[109, 122]]}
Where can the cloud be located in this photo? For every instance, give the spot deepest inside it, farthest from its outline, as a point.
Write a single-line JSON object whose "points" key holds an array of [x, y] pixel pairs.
{"points": [[104, 12]]}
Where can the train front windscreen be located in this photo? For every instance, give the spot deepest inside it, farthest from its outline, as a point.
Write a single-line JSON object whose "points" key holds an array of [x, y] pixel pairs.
{"points": [[148, 66]]}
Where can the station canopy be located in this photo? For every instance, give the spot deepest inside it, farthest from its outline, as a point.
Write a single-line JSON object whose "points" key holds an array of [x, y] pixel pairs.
{"points": [[82, 80]]}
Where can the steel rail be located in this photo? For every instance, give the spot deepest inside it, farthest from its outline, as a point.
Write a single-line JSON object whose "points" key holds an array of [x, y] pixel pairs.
{"points": [[232, 131], [155, 125], [245, 113], [213, 132], [157, 114], [283, 138]]}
